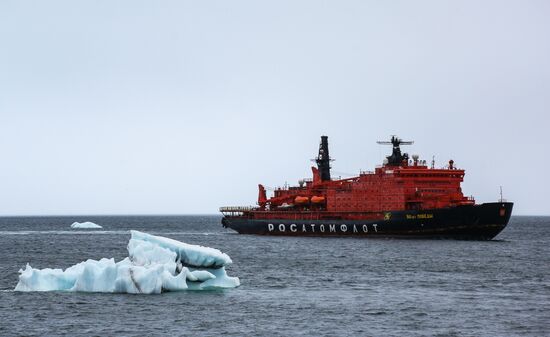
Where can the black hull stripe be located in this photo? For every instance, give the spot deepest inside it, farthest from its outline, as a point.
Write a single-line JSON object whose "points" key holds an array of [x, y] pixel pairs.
{"points": [[482, 222]]}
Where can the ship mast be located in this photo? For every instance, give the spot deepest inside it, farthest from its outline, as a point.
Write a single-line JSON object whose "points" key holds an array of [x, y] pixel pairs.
{"points": [[396, 157]]}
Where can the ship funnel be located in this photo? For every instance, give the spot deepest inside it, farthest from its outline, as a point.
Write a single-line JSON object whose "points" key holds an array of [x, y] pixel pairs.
{"points": [[323, 159]]}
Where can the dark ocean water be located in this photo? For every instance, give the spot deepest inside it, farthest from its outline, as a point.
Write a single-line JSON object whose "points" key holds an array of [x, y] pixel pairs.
{"points": [[290, 286]]}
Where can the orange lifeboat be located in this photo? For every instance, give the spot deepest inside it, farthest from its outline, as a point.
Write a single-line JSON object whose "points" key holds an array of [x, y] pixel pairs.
{"points": [[317, 199], [301, 200]]}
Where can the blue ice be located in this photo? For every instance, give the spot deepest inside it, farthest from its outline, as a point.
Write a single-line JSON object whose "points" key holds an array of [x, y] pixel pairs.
{"points": [[86, 224], [154, 264]]}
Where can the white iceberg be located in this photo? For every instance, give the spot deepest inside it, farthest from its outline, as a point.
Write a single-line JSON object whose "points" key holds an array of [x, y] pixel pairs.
{"points": [[86, 224], [154, 264]]}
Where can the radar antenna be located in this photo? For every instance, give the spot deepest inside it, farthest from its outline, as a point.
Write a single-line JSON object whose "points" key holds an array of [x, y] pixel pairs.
{"points": [[396, 157]]}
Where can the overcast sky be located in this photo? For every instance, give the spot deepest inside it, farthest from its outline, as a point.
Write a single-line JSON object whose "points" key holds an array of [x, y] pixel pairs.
{"points": [[156, 107]]}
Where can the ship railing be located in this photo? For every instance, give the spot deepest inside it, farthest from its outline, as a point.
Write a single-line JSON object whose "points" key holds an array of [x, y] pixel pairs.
{"points": [[236, 210]]}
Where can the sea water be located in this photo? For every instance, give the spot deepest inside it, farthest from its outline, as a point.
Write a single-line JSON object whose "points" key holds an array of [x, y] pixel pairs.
{"points": [[289, 285]]}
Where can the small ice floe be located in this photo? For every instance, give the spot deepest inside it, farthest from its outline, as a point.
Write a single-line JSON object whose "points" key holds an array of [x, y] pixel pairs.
{"points": [[154, 264], [86, 224]]}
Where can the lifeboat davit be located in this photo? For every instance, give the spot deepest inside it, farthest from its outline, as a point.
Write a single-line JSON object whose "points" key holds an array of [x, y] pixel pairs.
{"points": [[301, 200]]}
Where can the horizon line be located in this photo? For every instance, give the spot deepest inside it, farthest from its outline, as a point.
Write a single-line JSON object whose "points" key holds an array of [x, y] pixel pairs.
{"points": [[105, 214], [157, 214]]}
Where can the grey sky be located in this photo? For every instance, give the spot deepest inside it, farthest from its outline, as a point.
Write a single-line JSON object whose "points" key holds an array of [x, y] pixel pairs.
{"points": [[122, 107]]}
